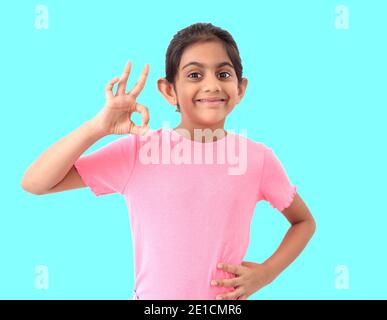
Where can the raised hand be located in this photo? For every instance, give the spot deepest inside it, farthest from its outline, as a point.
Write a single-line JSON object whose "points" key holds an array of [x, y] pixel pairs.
{"points": [[115, 117]]}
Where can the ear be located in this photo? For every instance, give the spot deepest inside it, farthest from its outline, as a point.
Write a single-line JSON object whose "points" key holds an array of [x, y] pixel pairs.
{"points": [[167, 90], [242, 88]]}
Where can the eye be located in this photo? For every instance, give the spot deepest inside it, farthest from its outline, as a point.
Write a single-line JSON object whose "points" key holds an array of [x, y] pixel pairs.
{"points": [[229, 75], [192, 74], [225, 72]]}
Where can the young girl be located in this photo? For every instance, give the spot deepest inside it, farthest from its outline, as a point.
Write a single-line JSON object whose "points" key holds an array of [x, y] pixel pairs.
{"points": [[190, 218]]}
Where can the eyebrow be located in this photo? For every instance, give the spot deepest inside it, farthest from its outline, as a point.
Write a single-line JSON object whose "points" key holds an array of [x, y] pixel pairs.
{"points": [[224, 63]]}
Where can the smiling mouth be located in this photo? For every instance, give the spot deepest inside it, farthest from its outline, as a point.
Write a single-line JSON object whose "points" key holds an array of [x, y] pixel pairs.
{"points": [[211, 102]]}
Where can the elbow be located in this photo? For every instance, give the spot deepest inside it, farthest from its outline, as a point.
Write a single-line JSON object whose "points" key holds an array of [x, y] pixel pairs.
{"points": [[31, 188], [309, 225], [312, 224]]}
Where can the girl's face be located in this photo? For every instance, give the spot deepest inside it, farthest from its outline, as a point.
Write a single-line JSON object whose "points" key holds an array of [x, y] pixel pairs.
{"points": [[205, 71]]}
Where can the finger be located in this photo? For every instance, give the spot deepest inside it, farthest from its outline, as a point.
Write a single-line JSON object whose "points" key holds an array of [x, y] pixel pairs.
{"points": [[230, 295], [228, 282], [109, 87], [140, 84], [124, 79], [139, 130], [232, 268], [144, 113]]}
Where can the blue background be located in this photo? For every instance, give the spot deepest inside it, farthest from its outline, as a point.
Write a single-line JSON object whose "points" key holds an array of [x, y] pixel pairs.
{"points": [[316, 95]]}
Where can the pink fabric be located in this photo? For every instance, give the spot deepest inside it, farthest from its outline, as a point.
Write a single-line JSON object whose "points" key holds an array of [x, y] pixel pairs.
{"points": [[185, 218]]}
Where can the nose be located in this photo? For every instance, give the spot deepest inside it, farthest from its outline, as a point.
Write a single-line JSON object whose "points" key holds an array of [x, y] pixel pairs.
{"points": [[210, 84]]}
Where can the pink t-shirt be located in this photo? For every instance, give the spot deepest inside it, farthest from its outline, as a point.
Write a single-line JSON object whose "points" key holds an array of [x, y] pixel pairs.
{"points": [[187, 212]]}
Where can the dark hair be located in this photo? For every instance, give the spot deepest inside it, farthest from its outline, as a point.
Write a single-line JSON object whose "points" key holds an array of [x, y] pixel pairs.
{"points": [[199, 32]]}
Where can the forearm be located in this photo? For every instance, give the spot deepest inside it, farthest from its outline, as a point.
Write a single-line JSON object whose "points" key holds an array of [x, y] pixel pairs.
{"points": [[291, 246], [53, 165]]}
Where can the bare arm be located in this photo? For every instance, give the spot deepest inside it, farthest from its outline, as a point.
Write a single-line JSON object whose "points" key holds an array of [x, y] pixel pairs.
{"points": [[302, 229], [54, 170], [55, 163]]}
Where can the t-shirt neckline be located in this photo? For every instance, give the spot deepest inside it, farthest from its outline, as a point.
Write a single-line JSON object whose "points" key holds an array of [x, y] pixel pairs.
{"points": [[178, 135]]}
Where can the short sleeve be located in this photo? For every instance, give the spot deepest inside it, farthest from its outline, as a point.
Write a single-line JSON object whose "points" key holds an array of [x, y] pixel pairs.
{"points": [[275, 186], [108, 169]]}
